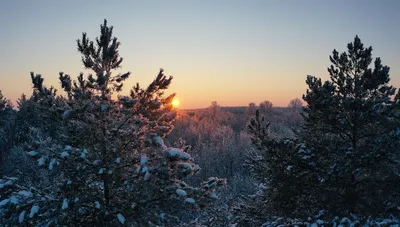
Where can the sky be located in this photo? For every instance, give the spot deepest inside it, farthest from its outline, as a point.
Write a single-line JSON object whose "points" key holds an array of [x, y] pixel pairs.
{"points": [[229, 51]]}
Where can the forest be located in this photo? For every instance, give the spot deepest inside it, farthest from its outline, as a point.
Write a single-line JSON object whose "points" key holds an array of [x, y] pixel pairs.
{"points": [[89, 156]]}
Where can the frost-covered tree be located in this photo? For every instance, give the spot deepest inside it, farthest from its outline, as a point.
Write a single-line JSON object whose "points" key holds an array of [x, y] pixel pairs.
{"points": [[114, 164], [265, 106], [251, 109], [295, 103], [214, 109]]}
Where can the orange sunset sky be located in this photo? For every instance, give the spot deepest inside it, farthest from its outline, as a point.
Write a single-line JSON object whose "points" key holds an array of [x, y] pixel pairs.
{"points": [[232, 52]]}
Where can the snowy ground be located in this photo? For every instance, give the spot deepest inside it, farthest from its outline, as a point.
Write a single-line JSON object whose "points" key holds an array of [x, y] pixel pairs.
{"points": [[352, 220]]}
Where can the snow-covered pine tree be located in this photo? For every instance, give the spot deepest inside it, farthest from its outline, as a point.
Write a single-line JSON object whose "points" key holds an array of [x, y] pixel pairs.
{"points": [[40, 111], [7, 115], [6, 108], [346, 159], [114, 164], [3, 102], [349, 126]]}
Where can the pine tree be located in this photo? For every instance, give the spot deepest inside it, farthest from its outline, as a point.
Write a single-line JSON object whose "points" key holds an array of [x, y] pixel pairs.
{"points": [[40, 111], [349, 125], [357, 100], [346, 157], [283, 167], [116, 168], [7, 131], [5, 106]]}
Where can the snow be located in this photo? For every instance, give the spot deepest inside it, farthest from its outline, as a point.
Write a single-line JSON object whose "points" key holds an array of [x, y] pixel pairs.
{"points": [[41, 161], [196, 168], [4, 202], [176, 152], [146, 176], [171, 115], [52, 163], [184, 156], [64, 154], [25, 193], [345, 221], [9, 182], [110, 172], [128, 101], [33, 153], [14, 200], [190, 201], [173, 152], [164, 129], [69, 182], [158, 141], [97, 205], [67, 113], [68, 148], [339, 222], [104, 108], [186, 166], [121, 218], [143, 160], [83, 154], [118, 160], [65, 204], [162, 216], [21, 217], [34, 210], [101, 171], [181, 192], [397, 133], [213, 196]]}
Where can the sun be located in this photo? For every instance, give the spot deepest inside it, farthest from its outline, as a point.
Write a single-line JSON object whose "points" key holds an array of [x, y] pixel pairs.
{"points": [[175, 102]]}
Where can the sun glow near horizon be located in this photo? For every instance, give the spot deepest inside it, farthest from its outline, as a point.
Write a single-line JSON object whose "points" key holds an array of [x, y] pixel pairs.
{"points": [[175, 102]]}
